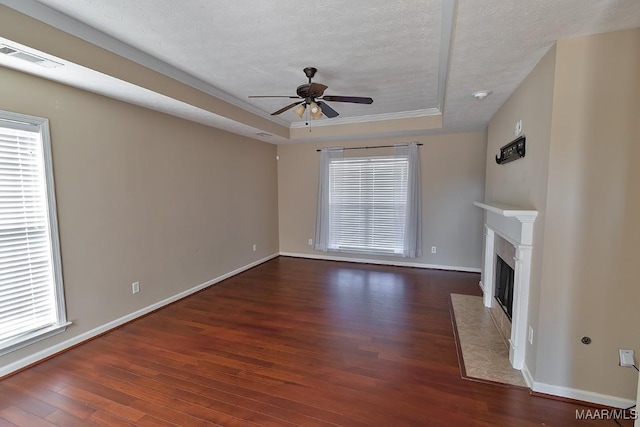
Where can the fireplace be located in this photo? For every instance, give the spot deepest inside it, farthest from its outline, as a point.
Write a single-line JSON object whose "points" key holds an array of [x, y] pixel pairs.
{"points": [[508, 240], [504, 286]]}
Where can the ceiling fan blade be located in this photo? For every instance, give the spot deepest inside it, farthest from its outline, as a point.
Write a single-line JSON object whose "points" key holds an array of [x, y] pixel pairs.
{"points": [[353, 99], [274, 96], [326, 110], [317, 89], [288, 107]]}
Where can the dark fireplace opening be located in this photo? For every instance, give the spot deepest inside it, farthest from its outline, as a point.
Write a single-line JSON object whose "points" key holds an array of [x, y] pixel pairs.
{"points": [[504, 286]]}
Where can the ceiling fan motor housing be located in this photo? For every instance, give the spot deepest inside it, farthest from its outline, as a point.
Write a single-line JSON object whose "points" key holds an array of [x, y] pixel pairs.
{"points": [[310, 92], [304, 91]]}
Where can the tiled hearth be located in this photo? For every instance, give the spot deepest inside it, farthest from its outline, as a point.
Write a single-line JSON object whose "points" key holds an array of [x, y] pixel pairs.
{"points": [[485, 354]]}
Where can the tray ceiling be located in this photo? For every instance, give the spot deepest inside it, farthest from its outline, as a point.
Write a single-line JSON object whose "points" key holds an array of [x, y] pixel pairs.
{"points": [[400, 53]]}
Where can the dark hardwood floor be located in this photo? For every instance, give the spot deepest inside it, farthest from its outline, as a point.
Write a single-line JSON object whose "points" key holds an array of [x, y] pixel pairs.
{"points": [[290, 342]]}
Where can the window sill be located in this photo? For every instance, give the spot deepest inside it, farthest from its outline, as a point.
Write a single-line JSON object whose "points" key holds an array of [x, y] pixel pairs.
{"points": [[381, 252], [32, 337]]}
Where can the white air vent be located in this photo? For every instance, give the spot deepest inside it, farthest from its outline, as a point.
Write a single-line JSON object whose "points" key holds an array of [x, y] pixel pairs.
{"points": [[25, 56], [263, 134]]}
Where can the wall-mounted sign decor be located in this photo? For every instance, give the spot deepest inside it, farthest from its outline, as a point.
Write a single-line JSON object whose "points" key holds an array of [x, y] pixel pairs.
{"points": [[512, 151]]}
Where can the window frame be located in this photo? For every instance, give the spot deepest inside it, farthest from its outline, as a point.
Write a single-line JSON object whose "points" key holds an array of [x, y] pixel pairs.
{"points": [[332, 245], [22, 121]]}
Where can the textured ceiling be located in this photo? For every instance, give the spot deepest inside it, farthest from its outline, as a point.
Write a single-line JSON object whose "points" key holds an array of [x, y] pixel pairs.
{"points": [[378, 48], [497, 43], [393, 51]]}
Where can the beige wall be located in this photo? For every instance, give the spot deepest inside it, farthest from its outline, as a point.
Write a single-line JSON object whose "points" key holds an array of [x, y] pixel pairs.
{"points": [[580, 114], [452, 179], [592, 239], [144, 196], [524, 182]]}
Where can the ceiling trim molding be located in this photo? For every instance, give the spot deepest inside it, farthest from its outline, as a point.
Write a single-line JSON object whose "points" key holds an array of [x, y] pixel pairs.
{"points": [[449, 12], [370, 118], [76, 28]]}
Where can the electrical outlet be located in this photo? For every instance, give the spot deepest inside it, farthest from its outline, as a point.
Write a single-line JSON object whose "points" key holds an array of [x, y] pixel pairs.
{"points": [[626, 358], [530, 336], [433, 249], [255, 247], [310, 242], [135, 287]]}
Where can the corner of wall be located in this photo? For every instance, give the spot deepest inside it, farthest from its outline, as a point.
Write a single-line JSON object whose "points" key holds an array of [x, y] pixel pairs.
{"points": [[524, 182]]}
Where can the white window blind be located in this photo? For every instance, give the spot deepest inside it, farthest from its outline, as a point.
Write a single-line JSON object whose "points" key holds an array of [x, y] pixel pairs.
{"points": [[31, 298], [367, 204]]}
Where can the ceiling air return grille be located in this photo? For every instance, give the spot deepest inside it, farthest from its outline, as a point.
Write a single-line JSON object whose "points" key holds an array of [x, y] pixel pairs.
{"points": [[25, 56], [6, 50]]}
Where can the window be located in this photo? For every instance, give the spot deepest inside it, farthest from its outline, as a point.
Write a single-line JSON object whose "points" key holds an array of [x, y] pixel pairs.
{"points": [[370, 204], [31, 292], [367, 204]]}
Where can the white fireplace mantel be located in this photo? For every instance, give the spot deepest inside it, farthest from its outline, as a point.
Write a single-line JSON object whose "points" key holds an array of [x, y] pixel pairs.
{"points": [[516, 226], [522, 215], [515, 222]]}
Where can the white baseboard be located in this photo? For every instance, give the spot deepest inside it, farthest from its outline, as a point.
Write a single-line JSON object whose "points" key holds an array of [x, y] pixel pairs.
{"points": [[583, 395], [382, 262], [528, 378], [572, 393], [50, 351], [481, 286]]}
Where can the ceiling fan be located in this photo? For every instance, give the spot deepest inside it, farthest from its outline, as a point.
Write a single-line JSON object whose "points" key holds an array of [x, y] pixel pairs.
{"points": [[312, 97]]}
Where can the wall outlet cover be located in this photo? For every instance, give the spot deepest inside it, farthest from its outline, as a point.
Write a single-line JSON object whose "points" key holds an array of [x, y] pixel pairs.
{"points": [[627, 358]]}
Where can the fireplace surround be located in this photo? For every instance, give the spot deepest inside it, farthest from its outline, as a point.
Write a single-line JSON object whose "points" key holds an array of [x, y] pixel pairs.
{"points": [[515, 225]]}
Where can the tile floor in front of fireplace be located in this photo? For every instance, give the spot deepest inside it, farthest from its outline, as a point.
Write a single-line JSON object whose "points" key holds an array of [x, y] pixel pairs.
{"points": [[485, 353]]}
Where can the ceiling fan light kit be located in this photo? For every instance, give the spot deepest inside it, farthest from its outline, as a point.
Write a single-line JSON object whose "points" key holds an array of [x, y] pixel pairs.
{"points": [[315, 110], [300, 110], [312, 96]]}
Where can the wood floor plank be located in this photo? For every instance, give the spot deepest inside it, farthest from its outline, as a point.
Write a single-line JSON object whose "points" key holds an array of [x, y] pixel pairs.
{"points": [[111, 419], [21, 417], [101, 403], [194, 404], [64, 419], [36, 407], [6, 423], [61, 402], [291, 342]]}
